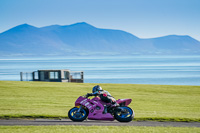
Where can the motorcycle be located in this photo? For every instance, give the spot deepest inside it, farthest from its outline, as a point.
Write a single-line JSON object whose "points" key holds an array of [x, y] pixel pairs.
{"points": [[96, 109]]}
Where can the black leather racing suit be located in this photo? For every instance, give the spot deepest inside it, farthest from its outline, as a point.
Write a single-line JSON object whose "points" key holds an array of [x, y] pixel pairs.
{"points": [[104, 95]]}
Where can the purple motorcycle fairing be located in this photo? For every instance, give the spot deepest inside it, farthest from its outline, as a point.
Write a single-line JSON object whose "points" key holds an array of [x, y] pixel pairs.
{"points": [[125, 101], [96, 108]]}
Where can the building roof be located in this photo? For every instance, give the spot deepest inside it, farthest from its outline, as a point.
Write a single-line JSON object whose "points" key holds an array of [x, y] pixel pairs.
{"points": [[55, 70]]}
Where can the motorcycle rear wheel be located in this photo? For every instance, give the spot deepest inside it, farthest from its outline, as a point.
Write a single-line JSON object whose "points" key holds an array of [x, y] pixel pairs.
{"points": [[125, 114], [77, 116]]}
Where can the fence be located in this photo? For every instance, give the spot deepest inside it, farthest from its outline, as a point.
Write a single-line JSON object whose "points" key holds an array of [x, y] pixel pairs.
{"points": [[26, 76]]}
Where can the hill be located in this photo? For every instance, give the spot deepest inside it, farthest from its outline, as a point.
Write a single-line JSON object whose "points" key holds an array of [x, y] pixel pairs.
{"points": [[85, 39]]}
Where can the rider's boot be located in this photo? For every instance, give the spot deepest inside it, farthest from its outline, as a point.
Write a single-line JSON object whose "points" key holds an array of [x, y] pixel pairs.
{"points": [[105, 109], [115, 104]]}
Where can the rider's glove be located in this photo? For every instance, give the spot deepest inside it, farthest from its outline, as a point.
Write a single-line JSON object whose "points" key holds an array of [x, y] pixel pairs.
{"points": [[87, 95]]}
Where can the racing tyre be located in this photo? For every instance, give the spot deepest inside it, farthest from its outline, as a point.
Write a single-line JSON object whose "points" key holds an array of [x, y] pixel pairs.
{"points": [[124, 114], [74, 115]]}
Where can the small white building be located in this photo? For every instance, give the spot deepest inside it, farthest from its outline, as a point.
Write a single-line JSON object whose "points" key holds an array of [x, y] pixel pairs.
{"points": [[63, 75]]}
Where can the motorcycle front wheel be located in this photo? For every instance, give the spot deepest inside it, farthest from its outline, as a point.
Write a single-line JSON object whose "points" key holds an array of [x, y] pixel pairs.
{"points": [[124, 114], [74, 115]]}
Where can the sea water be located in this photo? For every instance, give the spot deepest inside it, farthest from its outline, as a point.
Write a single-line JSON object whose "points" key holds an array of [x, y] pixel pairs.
{"points": [[166, 70]]}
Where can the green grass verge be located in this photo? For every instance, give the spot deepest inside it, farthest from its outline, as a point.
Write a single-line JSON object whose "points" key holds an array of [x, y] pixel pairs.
{"points": [[96, 129], [53, 100]]}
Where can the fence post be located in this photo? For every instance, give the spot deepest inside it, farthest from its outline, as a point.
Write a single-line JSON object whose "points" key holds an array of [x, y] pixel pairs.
{"points": [[33, 76], [21, 76], [82, 78]]}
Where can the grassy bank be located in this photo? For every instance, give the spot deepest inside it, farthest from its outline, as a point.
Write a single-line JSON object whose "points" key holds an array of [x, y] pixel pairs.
{"points": [[96, 129], [50, 100]]}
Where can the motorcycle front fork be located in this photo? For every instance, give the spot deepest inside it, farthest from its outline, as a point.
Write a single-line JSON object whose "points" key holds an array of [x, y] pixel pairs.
{"points": [[79, 109]]}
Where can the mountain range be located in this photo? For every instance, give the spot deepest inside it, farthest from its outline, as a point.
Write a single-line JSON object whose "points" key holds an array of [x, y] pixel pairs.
{"points": [[85, 39]]}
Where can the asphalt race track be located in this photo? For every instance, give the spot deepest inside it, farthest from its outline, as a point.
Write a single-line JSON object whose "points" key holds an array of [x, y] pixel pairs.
{"points": [[40, 122]]}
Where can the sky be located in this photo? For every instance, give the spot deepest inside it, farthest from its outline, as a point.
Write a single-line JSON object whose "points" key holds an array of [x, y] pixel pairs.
{"points": [[142, 18]]}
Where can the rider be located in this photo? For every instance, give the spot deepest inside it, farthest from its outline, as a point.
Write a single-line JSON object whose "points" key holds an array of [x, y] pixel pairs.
{"points": [[103, 94]]}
